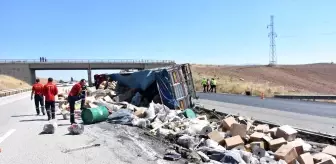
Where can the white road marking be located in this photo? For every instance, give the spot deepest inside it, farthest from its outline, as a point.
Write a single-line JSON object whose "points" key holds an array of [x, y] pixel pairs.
{"points": [[10, 132]]}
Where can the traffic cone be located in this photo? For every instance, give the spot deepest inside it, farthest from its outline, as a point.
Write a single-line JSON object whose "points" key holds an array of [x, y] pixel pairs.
{"points": [[262, 96]]}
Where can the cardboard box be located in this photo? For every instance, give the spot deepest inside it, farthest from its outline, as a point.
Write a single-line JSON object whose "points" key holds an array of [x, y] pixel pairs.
{"points": [[287, 132], [331, 150], [298, 146], [263, 128], [272, 132], [286, 153], [256, 136], [277, 143], [233, 142], [227, 123], [267, 139], [319, 157], [238, 129], [216, 136], [306, 158]]}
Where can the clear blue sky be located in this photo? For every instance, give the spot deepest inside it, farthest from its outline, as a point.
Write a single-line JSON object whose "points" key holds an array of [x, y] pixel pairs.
{"points": [[195, 31]]}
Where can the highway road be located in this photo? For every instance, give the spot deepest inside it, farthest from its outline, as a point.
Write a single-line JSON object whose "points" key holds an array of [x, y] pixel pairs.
{"points": [[22, 143], [322, 109]]}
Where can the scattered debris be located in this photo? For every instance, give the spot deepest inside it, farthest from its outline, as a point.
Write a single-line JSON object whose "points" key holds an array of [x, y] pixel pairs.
{"points": [[76, 129], [50, 128], [81, 148], [196, 135]]}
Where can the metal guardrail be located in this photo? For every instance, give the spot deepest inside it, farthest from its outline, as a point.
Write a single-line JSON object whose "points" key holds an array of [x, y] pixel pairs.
{"points": [[85, 61], [316, 97], [9, 92]]}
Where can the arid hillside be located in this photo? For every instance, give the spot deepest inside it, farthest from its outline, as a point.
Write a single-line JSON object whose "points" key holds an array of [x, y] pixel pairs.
{"points": [[288, 79], [9, 82]]}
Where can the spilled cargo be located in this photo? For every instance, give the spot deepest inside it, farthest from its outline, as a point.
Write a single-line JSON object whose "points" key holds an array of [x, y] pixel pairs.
{"points": [[164, 102]]}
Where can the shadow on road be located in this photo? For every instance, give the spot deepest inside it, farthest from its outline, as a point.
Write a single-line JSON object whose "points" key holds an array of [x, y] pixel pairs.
{"points": [[24, 115], [64, 124], [43, 133], [38, 119]]}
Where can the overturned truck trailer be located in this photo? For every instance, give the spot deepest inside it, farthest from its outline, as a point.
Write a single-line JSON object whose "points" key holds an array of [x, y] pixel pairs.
{"points": [[173, 84]]}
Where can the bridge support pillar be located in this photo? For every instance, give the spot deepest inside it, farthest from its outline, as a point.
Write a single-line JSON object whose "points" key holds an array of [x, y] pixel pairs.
{"points": [[89, 77], [19, 71], [32, 75]]}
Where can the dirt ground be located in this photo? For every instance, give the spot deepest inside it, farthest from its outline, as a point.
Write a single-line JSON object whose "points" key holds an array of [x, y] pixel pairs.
{"points": [[8, 82], [287, 79]]}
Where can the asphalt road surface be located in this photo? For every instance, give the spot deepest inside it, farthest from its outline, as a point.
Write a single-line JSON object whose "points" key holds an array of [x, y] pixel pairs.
{"points": [[303, 107], [22, 143]]}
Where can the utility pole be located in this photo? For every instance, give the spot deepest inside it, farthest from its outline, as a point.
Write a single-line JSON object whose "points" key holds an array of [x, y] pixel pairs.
{"points": [[272, 35]]}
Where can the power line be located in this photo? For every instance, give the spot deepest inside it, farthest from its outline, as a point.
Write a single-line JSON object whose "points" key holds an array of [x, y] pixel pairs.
{"points": [[272, 35]]}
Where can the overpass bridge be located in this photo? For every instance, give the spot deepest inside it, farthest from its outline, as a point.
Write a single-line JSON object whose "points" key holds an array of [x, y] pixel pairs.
{"points": [[24, 69]]}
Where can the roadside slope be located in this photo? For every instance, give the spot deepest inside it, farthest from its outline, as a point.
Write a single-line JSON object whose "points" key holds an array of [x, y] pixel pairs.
{"points": [[292, 79], [8, 82]]}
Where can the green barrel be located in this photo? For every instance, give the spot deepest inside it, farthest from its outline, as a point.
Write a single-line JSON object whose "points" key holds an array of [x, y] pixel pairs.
{"points": [[94, 115]]}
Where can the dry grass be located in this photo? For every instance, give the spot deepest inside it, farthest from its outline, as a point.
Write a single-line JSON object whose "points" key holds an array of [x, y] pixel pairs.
{"points": [[286, 79], [227, 84], [8, 82]]}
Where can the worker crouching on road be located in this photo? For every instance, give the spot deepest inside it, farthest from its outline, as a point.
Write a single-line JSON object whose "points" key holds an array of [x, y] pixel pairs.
{"points": [[37, 92], [50, 91], [75, 94]]}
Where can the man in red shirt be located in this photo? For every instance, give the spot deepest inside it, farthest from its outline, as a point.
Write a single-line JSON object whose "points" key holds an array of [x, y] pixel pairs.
{"points": [[37, 92], [50, 91], [75, 94]]}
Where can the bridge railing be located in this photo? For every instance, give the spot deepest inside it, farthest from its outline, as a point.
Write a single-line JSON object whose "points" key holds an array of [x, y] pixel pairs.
{"points": [[85, 61]]}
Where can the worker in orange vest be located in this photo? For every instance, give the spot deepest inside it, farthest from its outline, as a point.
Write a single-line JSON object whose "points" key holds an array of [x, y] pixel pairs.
{"points": [[50, 91], [37, 94], [75, 95]]}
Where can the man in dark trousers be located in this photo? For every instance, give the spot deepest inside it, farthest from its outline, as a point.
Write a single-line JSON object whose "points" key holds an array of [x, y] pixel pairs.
{"points": [[84, 91], [75, 94], [213, 84], [50, 91], [37, 93]]}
